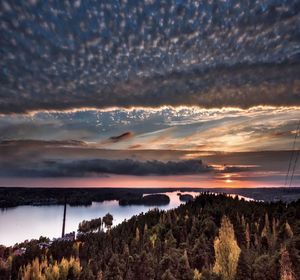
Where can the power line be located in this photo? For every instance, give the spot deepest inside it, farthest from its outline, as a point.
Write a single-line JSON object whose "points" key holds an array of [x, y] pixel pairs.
{"points": [[294, 168], [291, 159]]}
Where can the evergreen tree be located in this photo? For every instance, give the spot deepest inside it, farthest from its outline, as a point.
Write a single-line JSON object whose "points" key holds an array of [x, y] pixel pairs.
{"points": [[247, 236], [209, 275], [202, 253], [144, 267], [244, 267], [113, 271], [168, 275], [265, 234], [108, 220], [184, 270], [265, 268], [87, 274]]}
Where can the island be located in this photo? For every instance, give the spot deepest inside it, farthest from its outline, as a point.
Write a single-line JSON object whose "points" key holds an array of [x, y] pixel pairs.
{"points": [[149, 200], [186, 197]]}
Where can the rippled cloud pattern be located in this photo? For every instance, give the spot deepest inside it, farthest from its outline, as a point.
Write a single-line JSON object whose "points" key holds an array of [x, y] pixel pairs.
{"points": [[59, 55]]}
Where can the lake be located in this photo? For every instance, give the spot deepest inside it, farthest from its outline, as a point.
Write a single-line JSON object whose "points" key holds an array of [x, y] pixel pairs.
{"points": [[30, 222]]}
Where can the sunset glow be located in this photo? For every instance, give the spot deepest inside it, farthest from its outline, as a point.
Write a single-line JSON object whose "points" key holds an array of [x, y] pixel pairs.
{"points": [[150, 139], [147, 91]]}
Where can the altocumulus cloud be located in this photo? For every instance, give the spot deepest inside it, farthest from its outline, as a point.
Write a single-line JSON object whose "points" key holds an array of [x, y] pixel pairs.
{"points": [[64, 55], [100, 167]]}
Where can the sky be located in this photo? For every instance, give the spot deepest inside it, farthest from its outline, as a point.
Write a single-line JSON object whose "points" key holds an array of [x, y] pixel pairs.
{"points": [[149, 93]]}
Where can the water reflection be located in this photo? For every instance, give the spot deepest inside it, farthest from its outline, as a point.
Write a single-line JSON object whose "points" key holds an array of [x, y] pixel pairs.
{"points": [[27, 222]]}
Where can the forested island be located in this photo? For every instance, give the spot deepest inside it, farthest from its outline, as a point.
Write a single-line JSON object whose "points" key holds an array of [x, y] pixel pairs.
{"points": [[185, 197], [150, 199], [213, 237]]}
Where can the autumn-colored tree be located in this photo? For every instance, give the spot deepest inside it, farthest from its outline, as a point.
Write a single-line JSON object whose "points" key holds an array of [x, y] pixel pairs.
{"points": [[286, 270], [153, 239], [197, 274], [42, 270], [288, 230], [52, 272], [227, 251]]}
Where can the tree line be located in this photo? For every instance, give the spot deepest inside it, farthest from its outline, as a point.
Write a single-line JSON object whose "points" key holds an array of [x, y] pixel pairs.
{"points": [[214, 237]]}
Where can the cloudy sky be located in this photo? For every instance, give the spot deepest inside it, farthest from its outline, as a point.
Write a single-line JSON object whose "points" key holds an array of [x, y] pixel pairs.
{"points": [[149, 93]]}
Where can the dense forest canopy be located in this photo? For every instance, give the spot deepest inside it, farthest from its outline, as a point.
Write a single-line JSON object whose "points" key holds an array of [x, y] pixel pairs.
{"points": [[212, 237]]}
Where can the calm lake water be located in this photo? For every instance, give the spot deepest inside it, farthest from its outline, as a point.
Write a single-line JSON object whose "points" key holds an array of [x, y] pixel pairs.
{"points": [[30, 222]]}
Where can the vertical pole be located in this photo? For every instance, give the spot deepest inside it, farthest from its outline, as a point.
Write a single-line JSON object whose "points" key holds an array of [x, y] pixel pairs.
{"points": [[64, 219]]}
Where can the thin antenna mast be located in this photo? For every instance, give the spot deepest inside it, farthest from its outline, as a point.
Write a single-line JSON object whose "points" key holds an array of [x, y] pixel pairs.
{"points": [[64, 218]]}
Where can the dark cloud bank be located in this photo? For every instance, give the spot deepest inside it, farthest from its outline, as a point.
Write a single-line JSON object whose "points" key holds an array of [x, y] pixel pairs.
{"points": [[64, 55], [121, 137], [100, 167]]}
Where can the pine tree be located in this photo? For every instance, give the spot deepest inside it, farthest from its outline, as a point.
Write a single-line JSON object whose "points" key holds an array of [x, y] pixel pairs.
{"points": [[108, 220], [227, 251], [265, 234], [244, 267], [168, 275], [184, 270], [170, 241], [202, 253], [247, 236], [265, 267], [274, 232], [137, 235], [113, 271], [144, 267]]}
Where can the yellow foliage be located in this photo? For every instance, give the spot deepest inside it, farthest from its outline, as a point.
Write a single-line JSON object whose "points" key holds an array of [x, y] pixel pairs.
{"points": [[42, 270], [63, 269], [286, 269], [227, 251], [197, 274], [153, 238], [288, 230]]}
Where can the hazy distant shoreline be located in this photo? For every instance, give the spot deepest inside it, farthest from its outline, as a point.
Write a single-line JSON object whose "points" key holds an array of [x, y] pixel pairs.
{"points": [[12, 197]]}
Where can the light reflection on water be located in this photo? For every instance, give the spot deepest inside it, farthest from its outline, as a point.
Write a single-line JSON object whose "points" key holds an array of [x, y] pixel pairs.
{"points": [[27, 222]]}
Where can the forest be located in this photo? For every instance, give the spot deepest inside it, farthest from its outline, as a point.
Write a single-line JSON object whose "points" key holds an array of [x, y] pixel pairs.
{"points": [[214, 237], [14, 196]]}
